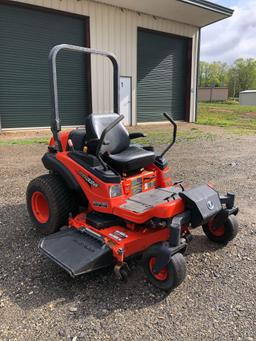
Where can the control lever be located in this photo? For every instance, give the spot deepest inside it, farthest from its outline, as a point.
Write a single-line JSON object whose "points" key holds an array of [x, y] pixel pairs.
{"points": [[170, 119]]}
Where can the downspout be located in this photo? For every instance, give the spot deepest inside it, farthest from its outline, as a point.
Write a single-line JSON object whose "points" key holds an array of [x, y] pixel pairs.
{"points": [[197, 73]]}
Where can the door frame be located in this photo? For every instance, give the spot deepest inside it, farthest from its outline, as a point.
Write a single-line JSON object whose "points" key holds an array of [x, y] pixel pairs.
{"points": [[130, 118]]}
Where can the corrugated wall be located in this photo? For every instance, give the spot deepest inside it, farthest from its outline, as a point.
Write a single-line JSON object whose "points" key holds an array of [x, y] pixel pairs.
{"points": [[247, 98], [115, 29]]}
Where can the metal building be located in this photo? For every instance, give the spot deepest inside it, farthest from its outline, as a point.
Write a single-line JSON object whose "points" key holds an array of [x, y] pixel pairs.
{"points": [[247, 97], [156, 42]]}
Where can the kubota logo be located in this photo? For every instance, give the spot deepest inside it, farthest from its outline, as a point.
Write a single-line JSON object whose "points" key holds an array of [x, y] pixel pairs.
{"points": [[210, 205]]}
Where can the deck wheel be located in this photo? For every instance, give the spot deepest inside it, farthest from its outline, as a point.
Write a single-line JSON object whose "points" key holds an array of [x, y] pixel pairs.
{"points": [[224, 233], [170, 276]]}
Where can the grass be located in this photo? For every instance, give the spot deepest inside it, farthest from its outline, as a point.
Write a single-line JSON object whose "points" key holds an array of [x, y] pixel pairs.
{"points": [[39, 140], [155, 137], [232, 116], [163, 136]]}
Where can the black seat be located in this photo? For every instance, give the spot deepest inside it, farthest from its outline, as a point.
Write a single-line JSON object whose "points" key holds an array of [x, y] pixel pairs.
{"points": [[117, 151], [77, 137]]}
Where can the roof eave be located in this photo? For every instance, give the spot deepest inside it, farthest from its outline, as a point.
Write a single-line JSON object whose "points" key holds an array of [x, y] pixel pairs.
{"points": [[209, 12], [228, 12]]}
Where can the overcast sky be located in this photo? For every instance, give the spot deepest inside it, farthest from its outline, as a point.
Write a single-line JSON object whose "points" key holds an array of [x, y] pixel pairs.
{"points": [[231, 38]]}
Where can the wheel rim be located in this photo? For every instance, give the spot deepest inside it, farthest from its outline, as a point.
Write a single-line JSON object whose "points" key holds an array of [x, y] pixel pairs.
{"points": [[216, 231], [162, 275], [40, 207]]}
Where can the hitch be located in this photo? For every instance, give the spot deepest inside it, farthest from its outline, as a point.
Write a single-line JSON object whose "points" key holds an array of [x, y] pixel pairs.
{"points": [[221, 217], [228, 200]]}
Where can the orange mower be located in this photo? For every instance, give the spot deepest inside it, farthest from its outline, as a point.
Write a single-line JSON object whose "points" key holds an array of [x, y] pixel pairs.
{"points": [[107, 199]]}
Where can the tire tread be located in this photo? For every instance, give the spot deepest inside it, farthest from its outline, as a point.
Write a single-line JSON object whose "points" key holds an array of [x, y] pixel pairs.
{"points": [[60, 200]]}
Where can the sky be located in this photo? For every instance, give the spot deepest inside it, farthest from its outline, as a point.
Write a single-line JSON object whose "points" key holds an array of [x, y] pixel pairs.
{"points": [[231, 38]]}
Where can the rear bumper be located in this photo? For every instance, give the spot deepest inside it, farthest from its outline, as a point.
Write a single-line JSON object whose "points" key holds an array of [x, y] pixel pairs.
{"points": [[229, 201]]}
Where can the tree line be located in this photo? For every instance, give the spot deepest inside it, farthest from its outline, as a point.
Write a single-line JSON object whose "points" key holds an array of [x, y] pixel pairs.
{"points": [[239, 76]]}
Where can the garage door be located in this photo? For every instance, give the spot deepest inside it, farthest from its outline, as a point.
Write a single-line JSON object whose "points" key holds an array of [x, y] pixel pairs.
{"points": [[163, 76], [26, 37]]}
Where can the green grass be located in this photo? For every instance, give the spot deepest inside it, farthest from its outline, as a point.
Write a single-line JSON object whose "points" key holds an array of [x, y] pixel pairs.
{"points": [[39, 140], [231, 116], [156, 137], [163, 136]]}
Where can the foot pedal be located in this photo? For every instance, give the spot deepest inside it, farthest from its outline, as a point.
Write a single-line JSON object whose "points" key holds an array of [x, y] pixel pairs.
{"points": [[77, 252]]}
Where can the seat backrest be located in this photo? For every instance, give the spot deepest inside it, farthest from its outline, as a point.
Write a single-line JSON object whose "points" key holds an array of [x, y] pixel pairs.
{"points": [[116, 139], [77, 137]]}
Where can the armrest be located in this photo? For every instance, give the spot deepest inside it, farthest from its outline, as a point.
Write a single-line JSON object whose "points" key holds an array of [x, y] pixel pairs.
{"points": [[136, 135], [96, 140]]}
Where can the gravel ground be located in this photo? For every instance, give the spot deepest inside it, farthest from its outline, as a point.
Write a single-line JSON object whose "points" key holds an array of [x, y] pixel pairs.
{"points": [[39, 301]]}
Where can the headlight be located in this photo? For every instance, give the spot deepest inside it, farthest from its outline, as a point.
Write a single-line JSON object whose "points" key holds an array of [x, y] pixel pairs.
{"points": [[115, 191]]}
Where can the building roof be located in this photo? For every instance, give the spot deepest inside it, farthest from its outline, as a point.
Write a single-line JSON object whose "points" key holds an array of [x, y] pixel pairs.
{"points": [[247, 91], [198, 13]]}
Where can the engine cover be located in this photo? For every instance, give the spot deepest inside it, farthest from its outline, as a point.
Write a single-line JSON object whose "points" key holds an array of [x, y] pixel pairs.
{"points": [[203, 203]]}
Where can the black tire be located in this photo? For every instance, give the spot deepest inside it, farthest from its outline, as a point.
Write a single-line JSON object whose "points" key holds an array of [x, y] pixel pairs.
{"points": [[175, 270], [225, 233], [59, 199]]}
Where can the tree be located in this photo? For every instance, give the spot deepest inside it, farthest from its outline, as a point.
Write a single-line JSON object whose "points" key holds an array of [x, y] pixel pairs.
{"points": [[213, 74], [239, 76], [204, 74], [242, 76]]}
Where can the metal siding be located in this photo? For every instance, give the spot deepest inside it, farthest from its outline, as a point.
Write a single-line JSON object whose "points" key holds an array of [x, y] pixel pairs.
{"points": [[161, 78], [247, 98], [108, 23], [27, 36]]}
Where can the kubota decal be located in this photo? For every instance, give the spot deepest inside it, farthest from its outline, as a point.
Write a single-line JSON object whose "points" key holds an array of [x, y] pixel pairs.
{"points": [[89, 180]]}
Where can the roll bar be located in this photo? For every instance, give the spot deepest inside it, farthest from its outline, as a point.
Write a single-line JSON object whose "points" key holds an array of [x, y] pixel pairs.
{"points": [[55, 121]]}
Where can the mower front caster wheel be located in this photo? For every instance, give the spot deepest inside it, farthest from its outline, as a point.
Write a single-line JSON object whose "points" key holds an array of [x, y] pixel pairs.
{"points": [[224, 233], [171, 276]]}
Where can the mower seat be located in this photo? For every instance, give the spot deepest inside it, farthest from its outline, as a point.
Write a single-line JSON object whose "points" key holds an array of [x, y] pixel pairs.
{"points": [[117, 151], [77, 137]]}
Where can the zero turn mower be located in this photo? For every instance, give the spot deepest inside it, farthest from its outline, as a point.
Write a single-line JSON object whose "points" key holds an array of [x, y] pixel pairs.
{"points": [[107, 199]]}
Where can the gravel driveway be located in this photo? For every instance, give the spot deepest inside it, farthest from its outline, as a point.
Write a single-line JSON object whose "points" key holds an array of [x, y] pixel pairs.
{"points": [[39, 301]]}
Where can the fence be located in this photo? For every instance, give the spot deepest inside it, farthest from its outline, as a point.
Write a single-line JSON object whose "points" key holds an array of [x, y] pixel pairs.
{"points": [[212, 94]]}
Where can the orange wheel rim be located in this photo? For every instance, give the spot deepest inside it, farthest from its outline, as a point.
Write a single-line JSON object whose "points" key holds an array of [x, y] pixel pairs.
{"points": [[40, 207], [216, 231], [162, 275]]}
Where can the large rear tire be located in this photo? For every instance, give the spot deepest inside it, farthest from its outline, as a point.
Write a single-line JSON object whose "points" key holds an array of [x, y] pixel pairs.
{"points": [[49, 203], [171, 276]]}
